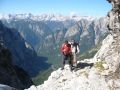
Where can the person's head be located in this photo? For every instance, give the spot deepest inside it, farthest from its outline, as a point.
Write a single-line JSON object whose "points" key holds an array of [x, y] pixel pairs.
{"points": [[66, 41], [72, 41]]}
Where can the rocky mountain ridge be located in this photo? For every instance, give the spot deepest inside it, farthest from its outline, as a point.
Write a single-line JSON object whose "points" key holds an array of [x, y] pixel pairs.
{"points": [[45, 17], [47, 33], [56, 29]]}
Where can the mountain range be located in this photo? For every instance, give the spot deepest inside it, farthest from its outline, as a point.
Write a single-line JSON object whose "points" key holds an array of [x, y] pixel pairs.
{"points": [[28, 43], [46, 32], [41, 37]]}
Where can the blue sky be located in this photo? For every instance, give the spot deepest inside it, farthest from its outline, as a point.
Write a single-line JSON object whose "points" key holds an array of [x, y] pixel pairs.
{"points": [[65, 7]]}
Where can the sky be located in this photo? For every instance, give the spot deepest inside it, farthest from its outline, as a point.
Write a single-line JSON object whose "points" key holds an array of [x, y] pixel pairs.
{"points": [[65, 7]]}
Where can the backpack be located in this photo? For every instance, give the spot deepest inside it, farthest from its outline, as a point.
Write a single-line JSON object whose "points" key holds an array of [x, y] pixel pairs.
{"points": [[66, 48], [75, 45]]}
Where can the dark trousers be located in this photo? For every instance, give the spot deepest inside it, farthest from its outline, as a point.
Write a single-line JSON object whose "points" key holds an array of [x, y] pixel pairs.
{"points": [[67, 58]]}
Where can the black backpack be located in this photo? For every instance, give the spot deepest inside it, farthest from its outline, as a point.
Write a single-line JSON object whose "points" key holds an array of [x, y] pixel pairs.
{"points": [[75, 45]]}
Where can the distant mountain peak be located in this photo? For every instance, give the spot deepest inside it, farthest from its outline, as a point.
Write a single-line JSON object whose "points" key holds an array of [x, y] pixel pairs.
{"points": [[45, 17]]}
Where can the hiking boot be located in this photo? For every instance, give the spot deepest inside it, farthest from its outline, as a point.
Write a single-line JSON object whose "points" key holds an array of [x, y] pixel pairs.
{"points": [[75, 69], [71, 68]]}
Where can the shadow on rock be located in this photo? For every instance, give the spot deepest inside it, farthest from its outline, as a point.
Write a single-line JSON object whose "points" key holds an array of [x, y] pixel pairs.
{"points": [[83, 65]]}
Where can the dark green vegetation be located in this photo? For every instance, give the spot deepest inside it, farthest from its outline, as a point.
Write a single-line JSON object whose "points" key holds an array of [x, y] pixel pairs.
{"points": [[42, 76]]}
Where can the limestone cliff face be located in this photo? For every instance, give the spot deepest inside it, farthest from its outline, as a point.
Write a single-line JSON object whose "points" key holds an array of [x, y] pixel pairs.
{"points": [[114, 27], [114, 17], [104, 74], [111, 52]]}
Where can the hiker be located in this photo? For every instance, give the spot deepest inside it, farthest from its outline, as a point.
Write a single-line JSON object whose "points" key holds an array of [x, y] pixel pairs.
{"points": [[75, 50], [67, 54]]}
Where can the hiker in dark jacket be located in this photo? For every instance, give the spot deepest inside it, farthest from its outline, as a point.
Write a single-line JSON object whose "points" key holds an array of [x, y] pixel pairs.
{"points": [[67, 53]]}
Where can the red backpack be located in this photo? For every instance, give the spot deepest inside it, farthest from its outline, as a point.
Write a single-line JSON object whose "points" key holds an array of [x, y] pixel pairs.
{"points": [[66, 49]]}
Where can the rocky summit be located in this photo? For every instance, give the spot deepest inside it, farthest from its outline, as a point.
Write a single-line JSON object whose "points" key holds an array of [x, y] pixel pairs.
{"points": [[99, 73]]}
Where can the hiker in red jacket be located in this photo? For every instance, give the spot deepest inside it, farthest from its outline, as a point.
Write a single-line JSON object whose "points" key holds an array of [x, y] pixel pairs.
{"points": [[67, 54]]}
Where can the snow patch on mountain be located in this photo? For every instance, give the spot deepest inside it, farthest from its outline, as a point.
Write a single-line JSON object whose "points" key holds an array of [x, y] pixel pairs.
{"points": [[45, 17]]}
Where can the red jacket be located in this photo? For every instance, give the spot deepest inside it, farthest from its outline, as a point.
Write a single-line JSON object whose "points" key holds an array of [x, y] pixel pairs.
{"points": [[66, 49]]}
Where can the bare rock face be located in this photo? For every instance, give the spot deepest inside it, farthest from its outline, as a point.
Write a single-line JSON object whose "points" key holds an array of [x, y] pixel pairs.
{"points": [[114, 27], [114, 17]]}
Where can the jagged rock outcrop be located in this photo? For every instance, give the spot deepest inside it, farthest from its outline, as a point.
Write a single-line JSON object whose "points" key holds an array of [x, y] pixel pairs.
{"points": [[12, 75], [114, 17], [104, 74], [114, 27]]}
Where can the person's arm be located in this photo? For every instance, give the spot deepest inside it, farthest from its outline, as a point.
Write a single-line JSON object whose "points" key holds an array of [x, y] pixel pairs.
{"points": [[62, 49], [78, 50]]}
